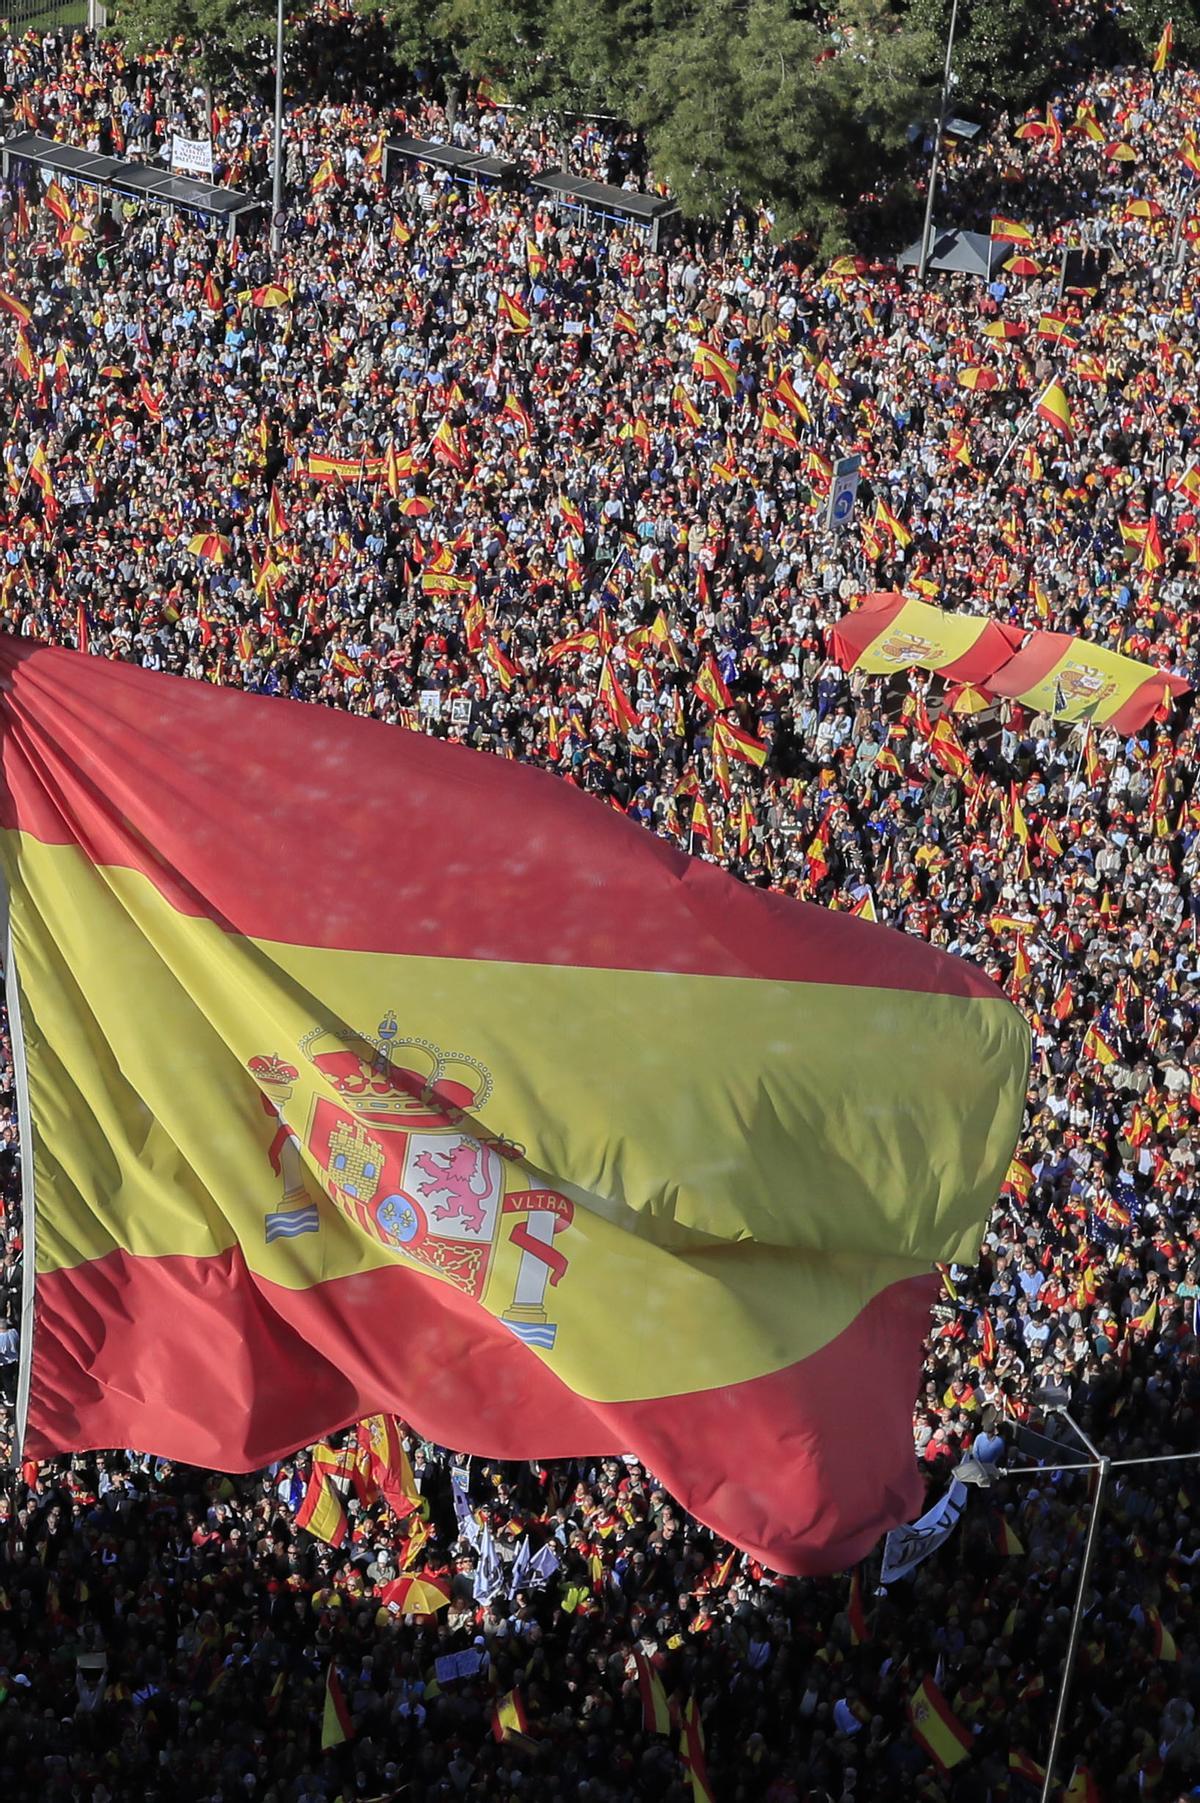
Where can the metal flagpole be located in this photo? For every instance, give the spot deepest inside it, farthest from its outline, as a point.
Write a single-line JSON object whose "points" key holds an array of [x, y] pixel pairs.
{"points": [[1087, 727], [28, 1208], [1018, 435], [1076, 1623], [943, 109], [277, 179], [1187, 194]]}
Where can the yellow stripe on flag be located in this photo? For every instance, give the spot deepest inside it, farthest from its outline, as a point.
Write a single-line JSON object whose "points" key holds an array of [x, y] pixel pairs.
{"points": [[921, 637], [1087, 680], [649, 1184]]}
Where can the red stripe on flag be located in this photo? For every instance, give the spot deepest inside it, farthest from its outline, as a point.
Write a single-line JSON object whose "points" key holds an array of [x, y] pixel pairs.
{"points": [[1032, 665], [545, 875], [1133, 714], [127, 1335]]}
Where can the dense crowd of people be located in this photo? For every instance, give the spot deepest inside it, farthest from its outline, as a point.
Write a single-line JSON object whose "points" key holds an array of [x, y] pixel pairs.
{"points": [[572, 509]]}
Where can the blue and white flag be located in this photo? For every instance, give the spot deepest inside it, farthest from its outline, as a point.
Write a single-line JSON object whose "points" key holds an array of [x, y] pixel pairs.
{"points": [[489, 1574]]}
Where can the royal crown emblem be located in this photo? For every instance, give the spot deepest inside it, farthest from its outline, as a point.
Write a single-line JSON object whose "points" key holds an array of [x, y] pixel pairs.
{"points": [[1083, 682], [394, 1139], [904, 648]]}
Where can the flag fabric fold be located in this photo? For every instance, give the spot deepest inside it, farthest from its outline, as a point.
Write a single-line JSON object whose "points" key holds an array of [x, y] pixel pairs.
{"points": [[366, 1074]]}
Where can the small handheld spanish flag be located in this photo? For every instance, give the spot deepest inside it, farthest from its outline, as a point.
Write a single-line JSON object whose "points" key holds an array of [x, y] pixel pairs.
{"points": [[1009, 231], [325, 177], [510, 310], [1097, 1048], [1153, 555], [321, 1511], [711, 686], [56, 202], [1163, 49], [621, 710], [1054, 409], [151, 402], [19, 311], [738, 744], [24, 358], [712, 365], [936, 1728], [503, 668], [336, 1724], [683, 404], [508, 1717]]}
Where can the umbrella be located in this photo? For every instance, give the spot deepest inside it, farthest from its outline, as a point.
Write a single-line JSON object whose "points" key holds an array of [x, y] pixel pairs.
{"points": [[271, 295], [1142, 209], [414, 1596], [414, 508], [210, 546], [1008, 329], [1023, 266], [965, 698], [1120, 153], [978, 379]]}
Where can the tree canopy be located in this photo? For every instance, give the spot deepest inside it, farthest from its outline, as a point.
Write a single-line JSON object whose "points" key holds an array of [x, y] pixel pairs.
{"points": [[222, 31], [778, 102]]}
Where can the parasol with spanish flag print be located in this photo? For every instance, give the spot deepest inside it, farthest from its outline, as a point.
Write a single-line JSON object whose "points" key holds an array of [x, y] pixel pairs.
{"points": [[210, 547], [415, 1595], [362, 1072], [978, 378]]}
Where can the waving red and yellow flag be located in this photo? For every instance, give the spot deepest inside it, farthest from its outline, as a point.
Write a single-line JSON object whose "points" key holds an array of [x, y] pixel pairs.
{"points": [[887, 632], [363, 1073], [1054, 409]]}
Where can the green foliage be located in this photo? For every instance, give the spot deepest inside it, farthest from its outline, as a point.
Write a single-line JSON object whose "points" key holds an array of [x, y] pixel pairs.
{"points": [[752, 97], [555, 55], [773, 101], [223, 31], [414, 31], [1006, 52], [1142, 22]]}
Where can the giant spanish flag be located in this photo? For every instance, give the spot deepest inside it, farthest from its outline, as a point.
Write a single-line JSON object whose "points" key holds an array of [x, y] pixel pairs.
{"points": [[1073, 679], [363, 1073], [887, 633]]}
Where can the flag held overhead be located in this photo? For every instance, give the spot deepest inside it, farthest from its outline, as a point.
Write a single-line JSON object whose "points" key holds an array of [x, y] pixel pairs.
{"points": [[889, 632], [606, 1151], [1076, 680]]}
